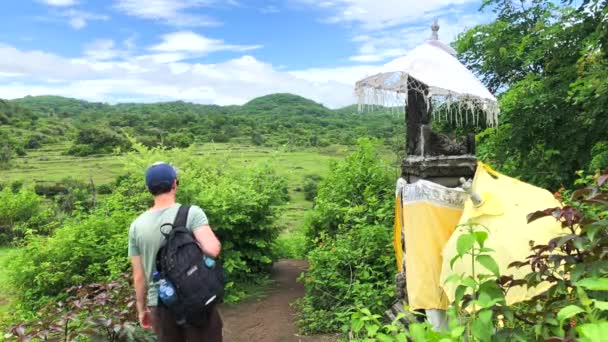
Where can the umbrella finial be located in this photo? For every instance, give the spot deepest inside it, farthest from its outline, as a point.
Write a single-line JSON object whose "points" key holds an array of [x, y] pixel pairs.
{"points": [[435, 28]]}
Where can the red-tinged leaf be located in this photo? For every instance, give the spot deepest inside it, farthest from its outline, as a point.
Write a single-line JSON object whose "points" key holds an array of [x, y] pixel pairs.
{"points": [[555, 212], [581, 194], [602, 179], [571, 215], [517, 264], [504, 280]]}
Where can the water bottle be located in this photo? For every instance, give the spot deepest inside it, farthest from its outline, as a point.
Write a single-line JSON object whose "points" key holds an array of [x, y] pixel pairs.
{"points": [[166, 292], [209, 262]]}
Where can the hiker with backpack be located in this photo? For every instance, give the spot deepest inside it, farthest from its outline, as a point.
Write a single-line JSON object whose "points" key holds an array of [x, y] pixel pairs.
{"points": [[178, 281]]}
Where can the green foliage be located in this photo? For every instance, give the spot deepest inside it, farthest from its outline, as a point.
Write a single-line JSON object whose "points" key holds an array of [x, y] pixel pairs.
{"points": [[311, 185], [21, 211], [97, 141], [351, 258], [358, 191], [290, 245], [354, 269], [546, 61]]}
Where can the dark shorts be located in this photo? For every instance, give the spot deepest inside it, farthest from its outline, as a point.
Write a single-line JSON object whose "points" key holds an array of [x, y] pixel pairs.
{"points": [[167, 330]]}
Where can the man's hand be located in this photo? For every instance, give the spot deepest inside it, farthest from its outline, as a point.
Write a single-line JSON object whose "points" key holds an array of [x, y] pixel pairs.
{"points": [[145, 319]]}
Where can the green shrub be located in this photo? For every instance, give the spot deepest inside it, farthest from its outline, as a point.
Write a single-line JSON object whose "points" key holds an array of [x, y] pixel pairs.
{"points": [[358, 191], [599, 155], [97, 141], [351, 255], [355, 269], [19, 211], [311, 184], [104, 189]]}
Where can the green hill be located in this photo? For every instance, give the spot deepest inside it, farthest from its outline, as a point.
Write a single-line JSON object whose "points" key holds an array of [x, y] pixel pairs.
{"points": [[272, 120]]}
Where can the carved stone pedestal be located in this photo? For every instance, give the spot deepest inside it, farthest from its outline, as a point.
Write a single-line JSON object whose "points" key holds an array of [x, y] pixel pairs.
{"points": [[444, 170]]}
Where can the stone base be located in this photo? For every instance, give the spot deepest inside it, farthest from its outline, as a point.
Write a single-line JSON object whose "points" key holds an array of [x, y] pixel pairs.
{"points": [[444, 170]]}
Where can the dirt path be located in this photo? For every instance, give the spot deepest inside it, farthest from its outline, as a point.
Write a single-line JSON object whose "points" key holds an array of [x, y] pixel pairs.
{"points": [[270, 319]]}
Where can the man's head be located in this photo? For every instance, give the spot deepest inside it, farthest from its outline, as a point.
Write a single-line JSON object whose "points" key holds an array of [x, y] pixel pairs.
{"points": [[161, 178]]}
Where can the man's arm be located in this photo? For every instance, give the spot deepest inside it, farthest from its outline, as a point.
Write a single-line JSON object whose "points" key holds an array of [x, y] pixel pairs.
{"points": [[208, 241], [139, 282]]}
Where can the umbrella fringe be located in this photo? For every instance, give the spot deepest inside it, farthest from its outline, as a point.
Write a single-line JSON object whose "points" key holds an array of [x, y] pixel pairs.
{"points": [[457, 106]]}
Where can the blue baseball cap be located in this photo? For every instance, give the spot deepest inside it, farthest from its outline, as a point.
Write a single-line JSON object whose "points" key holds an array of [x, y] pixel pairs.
{"points": [[160, 173]]}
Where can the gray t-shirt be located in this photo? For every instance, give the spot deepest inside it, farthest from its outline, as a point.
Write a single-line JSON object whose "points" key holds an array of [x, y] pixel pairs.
{"points": [[145, 239]]}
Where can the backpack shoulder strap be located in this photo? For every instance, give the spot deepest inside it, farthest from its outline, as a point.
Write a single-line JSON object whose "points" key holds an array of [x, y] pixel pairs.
{"points": [[181, 219]]}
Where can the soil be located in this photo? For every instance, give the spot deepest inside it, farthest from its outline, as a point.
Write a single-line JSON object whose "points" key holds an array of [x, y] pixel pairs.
{"points": [[270, 319]]}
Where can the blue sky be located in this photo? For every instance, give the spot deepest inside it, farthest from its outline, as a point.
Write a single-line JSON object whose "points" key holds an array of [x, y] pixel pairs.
{"points": [[212, 51]]}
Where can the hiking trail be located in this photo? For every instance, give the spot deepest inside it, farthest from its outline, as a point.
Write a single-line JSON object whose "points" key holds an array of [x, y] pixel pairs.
{"points": [[271, 318]]}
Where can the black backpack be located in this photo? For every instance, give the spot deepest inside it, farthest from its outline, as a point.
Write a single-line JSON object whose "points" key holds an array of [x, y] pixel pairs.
{"points": [[182, 261]]}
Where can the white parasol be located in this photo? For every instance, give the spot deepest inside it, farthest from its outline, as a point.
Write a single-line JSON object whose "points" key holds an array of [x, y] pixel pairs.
{"points": [[446, 80]]}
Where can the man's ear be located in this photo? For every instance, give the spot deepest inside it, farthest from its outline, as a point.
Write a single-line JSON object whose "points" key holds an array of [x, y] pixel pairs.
{"points": [[175, 184]]}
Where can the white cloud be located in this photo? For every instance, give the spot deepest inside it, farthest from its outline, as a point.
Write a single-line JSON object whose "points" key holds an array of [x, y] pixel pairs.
{"points": [[190, 42], [79, 19], [385, 29], [59, 3], [390, 43], [101, 49], [377, 14], [117, 76], [172, 12]]}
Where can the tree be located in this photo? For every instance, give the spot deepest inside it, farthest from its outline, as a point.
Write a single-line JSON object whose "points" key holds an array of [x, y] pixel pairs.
{"points": [[545, 60]]}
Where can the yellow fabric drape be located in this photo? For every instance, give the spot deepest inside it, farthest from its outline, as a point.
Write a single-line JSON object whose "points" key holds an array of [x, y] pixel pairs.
{"points": [[428, 227], [505, 205], [397, 232]]}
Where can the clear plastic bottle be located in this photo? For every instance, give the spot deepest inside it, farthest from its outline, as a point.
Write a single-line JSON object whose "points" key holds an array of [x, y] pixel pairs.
{"points": [[166, 292], [209, 262]]}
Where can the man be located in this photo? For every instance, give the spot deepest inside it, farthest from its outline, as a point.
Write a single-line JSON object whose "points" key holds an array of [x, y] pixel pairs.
{"points": [[145, 239]]}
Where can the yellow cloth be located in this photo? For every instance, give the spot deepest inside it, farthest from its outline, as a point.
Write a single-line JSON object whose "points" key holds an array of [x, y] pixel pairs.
{"points": [[506, 202], [430, 213], [427, 228], [397, 232]]}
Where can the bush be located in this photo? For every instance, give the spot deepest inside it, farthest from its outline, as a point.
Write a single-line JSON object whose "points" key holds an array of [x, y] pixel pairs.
{"points": [[19, 211], [98, 141], [358, 191], [311, 184], [351, 257], [104, 189], [355, 269]]}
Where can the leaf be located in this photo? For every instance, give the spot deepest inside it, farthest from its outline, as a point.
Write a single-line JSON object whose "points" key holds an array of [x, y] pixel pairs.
{"points": [[384, 338], [469, 282], [489, 263], [460, 291], [592, 332], [482, 327], [602, 179], [464, 244], [454, 278], [555, 212], [568, 311], [372, 330], [454, 260], [594, 284], [481, 237], [600, 305], [417, 331], [458, 331]]}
